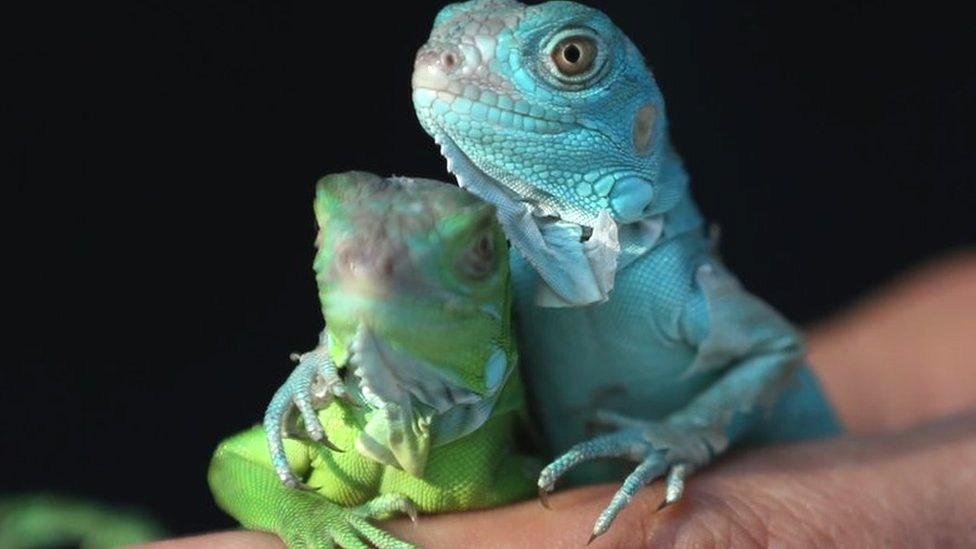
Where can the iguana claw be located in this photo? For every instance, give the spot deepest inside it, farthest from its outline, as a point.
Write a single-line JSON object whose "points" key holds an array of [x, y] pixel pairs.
{"points": [[333, 525], [410, 510], [387, 504], [312, 384], [660, 448], [328, 444], [544, 496], [290, 480]]}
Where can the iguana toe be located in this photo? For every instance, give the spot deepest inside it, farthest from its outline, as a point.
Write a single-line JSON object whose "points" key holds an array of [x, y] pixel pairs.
{"points": [[314, 383], [660, 448]]}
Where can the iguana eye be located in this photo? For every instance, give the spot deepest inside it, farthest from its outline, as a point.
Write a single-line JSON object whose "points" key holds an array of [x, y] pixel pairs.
{"points": [[574, 55], [574, 58], [479, 259]]}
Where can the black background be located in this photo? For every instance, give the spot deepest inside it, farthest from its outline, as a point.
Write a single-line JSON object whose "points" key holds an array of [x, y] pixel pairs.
{"points": [[164, 158]]}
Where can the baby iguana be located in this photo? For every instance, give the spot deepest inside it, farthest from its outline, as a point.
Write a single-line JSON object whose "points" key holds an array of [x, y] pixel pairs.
{"points": [[418, 390]]}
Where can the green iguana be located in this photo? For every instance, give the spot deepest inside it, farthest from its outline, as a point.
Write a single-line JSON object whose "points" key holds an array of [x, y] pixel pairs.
{"points": [[418, 391]]}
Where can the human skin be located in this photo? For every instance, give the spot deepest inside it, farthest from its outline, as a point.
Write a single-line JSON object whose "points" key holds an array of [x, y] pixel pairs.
{"points": [[898, 367]]}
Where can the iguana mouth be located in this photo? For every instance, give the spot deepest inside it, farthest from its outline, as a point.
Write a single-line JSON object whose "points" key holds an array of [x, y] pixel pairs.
{"points": [[470, 176], [492, 109]]}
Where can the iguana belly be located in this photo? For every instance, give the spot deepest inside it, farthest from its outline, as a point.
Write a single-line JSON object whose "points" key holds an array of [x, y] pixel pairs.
{"points": [[615, 355], [481, 469]]}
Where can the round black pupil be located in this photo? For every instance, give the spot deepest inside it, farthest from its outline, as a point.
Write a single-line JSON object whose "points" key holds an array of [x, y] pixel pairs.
{"points": [[572, 53]]}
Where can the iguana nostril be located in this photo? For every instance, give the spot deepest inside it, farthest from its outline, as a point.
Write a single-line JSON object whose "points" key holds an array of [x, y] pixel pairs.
{"points": [[434, 65], [448, 61]]}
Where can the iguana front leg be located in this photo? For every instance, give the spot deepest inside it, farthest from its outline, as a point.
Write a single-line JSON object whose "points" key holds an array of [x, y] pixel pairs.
{"points": [[313, 383], [243, 484], [731, 330]]}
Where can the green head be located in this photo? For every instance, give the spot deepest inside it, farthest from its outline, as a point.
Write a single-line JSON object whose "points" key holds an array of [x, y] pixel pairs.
{"points": [[420, 265]]}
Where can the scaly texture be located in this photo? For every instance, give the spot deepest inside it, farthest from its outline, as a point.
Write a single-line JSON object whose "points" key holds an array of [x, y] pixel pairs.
{"points": [[411, 400], [625, 315]]}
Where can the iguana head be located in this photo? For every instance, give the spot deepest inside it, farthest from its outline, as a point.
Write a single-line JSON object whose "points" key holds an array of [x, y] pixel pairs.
{"points": [[418, 263], [414, 284], [549, 109]]}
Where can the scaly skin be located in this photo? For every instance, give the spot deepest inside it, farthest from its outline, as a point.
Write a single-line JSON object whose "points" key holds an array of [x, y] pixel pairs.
{"points": [[417, 393], [626, 317]]}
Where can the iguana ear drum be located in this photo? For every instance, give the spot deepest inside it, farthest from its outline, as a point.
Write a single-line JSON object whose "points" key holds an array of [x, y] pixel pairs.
{"points": [[644, 128]]}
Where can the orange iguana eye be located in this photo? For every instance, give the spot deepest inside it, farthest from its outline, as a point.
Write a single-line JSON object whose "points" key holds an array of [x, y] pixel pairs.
{"points": [[574, 55]]}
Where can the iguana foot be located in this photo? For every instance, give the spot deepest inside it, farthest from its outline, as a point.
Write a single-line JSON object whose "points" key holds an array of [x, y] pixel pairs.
{"points": [[387, 505], [327, 524], [313, 383], [672, 447]]}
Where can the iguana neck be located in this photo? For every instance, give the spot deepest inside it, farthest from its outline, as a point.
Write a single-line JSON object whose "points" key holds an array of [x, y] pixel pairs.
{"points": [[413, 405]]}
